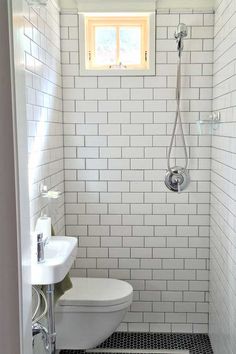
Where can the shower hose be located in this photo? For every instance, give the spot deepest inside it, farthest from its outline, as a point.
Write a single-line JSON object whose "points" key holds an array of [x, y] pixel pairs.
{"points": [[178, 119]]}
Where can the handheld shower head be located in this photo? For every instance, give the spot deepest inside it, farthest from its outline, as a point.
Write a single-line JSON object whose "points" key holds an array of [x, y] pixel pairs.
{"points": [[180, 33]]}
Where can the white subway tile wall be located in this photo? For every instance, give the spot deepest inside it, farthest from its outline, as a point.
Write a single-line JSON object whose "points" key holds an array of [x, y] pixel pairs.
{"points": [[44, 111], [223, 185], [117, 132]]}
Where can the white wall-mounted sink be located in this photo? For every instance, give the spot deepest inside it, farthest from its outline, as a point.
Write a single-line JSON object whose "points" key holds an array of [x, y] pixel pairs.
{"points": [[60, 253]]}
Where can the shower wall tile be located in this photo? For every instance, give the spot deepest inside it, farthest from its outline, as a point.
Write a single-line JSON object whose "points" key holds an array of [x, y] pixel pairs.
{"points": [[223, 185], [117, 132], [44, 111]]}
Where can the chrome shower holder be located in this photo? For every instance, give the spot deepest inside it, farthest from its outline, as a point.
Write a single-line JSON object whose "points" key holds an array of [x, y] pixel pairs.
{"points": [[177, 179], [180, 33], [208, 126]]}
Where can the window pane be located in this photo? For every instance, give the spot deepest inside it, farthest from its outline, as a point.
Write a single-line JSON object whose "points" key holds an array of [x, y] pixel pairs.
{"points": [[105, 45], [130, 45]]}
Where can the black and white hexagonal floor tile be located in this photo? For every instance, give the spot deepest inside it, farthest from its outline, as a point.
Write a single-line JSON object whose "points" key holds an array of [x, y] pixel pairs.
{"points": [[175, 342]]}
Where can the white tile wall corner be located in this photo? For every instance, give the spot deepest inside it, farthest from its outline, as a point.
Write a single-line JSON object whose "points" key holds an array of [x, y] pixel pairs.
{"points": [[223, 185], [44, 110], [117, 132]]}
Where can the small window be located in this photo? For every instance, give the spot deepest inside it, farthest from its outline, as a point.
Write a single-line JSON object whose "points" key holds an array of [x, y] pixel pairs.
{"points": [[116, 45]]}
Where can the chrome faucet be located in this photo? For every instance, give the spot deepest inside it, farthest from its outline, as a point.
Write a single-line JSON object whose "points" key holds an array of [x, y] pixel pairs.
{"points": [[40, 248]]}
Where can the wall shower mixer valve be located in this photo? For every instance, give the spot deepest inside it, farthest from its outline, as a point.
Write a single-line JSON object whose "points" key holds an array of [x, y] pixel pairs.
{"points": [[177, 179]]}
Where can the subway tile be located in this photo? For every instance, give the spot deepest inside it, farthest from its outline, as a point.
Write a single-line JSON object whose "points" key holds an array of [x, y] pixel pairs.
{"points": [[118, 186], [132, 82], [95, 141], [109, 82], [141, 141], [117, 134], [135, 242], [163, 274], [141, 94], [118, 94], [107, 263], [141, 274], [120, 230], [109, 106], [85, 82], [98, 230], [118, 141], [110, 197], [132, 197], [132, 129], [110, 152], [140, 186], [119, 117], [96, 186], [96, 117], [202, 32], [86, 106], [123, 274], [132, 106], [69, 20], [128, 263], [132, 152], [96, 252], [150, 263], [94, 164], [132, 175], [118, 252], [163, 252], [172, 296], [95, 94], [108, 175], [119, 209], [132, 220]]}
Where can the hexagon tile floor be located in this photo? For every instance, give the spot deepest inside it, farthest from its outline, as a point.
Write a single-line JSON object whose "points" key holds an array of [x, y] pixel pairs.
{"points": [[194, 343]]}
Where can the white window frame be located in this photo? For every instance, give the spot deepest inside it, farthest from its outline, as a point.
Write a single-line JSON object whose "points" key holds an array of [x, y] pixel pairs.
{"points": [[84, 71]]}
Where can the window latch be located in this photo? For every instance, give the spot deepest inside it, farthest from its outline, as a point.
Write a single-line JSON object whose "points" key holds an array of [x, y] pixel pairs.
{"points": [[118, 66]]}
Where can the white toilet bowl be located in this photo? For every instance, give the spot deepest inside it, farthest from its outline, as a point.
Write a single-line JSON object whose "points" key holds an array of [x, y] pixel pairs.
{"points": [[91, 311]]}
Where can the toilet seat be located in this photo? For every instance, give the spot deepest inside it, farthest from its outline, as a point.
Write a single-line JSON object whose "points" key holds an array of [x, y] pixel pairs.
{"points": [[96, 295]]}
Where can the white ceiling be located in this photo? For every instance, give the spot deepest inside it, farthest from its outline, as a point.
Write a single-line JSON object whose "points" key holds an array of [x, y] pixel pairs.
{"points": [[174, 4], [190, 4]]}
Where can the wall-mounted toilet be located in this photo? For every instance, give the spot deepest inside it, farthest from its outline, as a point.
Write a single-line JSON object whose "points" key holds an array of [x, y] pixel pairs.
{"points": [[91, 311]]}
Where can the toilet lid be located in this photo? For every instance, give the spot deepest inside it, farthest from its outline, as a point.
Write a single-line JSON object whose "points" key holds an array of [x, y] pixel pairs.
{"points": [[97, 292]]}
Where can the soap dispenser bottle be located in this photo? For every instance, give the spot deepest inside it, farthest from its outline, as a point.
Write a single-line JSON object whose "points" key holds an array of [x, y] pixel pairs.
{"points": [[43, 226]]}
